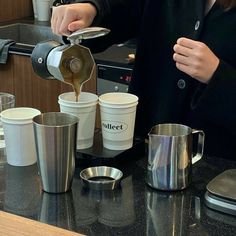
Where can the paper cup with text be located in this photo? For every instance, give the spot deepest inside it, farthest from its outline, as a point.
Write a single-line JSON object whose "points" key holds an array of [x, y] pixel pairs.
{"points": [[85, 110], [118, 112], [19, 135]]}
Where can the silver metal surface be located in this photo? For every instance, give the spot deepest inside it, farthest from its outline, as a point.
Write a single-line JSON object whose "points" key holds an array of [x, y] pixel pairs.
{"points": [[28, 34], [55, 135], [101, 177], [67, 60], [223, 185], [220, 204], [221, 192], [87, 33], [170, 156], [170, 204]]}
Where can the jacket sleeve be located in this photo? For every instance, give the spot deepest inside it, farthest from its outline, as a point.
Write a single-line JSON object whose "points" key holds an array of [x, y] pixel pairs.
{"points": [[122, 17], [217, 100]]}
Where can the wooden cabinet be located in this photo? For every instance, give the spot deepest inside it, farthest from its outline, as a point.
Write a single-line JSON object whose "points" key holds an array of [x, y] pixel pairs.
{"points": [[15, 9], [17, 77]]}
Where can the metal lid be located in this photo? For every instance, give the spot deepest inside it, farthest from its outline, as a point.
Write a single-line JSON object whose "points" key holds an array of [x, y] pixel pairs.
{"points": [[87, 33]]}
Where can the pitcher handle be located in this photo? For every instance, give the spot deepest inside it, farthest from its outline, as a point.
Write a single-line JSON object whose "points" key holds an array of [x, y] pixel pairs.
{"points": [[200, 145]]}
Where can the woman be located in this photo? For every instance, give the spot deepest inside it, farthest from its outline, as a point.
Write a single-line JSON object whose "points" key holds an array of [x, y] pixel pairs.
{"points": [[185, 69]]}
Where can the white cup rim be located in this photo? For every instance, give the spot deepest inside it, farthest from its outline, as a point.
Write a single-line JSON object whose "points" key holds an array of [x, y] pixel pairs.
{"points": [[118, 99], [25, 115], [90, 99], [118, 106]]}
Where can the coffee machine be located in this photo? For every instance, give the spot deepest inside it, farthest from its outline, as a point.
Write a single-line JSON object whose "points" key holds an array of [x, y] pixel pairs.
{"points": [[53, 60]]}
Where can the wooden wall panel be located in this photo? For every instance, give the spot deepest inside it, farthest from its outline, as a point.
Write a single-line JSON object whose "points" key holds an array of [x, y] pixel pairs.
{"points": [[17, 77], [45, 94], [22, 81], [6, 77], [15, 9], [33, 91]]}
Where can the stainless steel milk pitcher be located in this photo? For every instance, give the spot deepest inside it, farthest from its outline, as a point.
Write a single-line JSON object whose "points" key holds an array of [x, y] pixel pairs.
{"points": [[170, 156]]}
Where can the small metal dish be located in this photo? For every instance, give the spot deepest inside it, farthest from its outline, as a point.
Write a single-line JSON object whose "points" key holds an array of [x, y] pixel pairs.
{"points": [[101, 177]]}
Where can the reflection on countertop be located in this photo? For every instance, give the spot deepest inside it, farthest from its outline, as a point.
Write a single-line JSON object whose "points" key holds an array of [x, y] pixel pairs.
{"points": [[132, 209]]}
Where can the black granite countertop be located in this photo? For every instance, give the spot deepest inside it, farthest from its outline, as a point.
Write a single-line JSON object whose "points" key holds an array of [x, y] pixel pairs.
{"points": [[133, 209]]}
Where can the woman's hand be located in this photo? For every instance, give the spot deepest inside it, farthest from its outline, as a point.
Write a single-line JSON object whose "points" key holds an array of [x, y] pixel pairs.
{"points": [[68, 18], [195, 59]]}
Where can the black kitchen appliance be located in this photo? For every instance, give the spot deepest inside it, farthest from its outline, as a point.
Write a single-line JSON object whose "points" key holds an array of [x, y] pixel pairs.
{"points": [[221, 192], [114, 67]]}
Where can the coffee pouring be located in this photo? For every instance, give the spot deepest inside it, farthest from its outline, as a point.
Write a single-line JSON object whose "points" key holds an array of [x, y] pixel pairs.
{"points": [[70, 63]]}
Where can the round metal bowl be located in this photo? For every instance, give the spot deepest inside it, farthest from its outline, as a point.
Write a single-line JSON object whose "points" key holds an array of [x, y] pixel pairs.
{"points": [[101, 177]]}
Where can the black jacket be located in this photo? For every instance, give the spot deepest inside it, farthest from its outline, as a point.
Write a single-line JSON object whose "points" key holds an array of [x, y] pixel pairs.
{"points": [[165, 93]]}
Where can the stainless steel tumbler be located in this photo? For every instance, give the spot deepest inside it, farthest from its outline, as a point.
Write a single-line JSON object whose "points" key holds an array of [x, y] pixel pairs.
{"points": [[170, 156], [55, 136]]}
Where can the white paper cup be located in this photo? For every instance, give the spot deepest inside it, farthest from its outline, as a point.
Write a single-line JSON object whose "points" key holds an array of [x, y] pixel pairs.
{"points": [[19, 135], [118, 112], [85, 110], [7, 101], [43, 10], [34, 3]]}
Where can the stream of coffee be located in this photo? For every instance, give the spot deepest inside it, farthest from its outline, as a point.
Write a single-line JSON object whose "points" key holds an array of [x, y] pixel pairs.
{"points": [[75, 75], [76, 84]]}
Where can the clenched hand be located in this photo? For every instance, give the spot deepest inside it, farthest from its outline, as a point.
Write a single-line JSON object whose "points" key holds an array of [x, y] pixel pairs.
{"points": [[195, 59], [68, 18]]}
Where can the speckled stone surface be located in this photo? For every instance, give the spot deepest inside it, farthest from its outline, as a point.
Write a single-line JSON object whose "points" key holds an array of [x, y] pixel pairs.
{"points": [[133, 209]]}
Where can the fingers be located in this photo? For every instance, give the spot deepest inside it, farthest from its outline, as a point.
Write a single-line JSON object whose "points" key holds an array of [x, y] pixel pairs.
{"points": [[62, 16], [56, 20], [195, 59], [187, 51], [69, 18], [187, 47], [186, 42], [185, 56], [182, 49], [181, 58], [62, 26], [75, 25], [182, 54], [53, 20], [191, 71]]}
